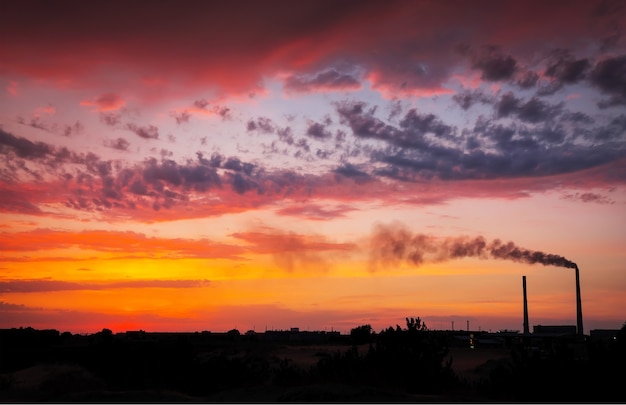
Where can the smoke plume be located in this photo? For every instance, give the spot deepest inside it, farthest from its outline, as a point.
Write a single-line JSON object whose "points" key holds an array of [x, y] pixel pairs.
{"points": [[394, 244]]}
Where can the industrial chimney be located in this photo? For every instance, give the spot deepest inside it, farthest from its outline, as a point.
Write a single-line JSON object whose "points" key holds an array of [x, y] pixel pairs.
{"points": [[579, 310], [526, 327]]}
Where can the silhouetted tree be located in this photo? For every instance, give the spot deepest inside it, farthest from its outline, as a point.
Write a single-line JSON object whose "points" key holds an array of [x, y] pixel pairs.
{"points": [[413, 357], [361, 334], [106, 335], [233, 334], [410, 359]]}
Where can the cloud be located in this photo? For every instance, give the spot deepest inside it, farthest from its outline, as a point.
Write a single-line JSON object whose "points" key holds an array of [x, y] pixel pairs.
{"points": [[291, 250], [146, 132], [116, 243], [181, 117], [23, 147], [105, 102], [528, 80], [536, 139], [565, 68], [111, 119], [317, 131], [119, 144], [494, 65], [200, 107], [608, 75], [401, 48], [262, 124], [350, 171], [589, 198], [315, 212], [533, 110], [8, 307], [467, 98], [46, 285], [544, 142], [329, 80]]}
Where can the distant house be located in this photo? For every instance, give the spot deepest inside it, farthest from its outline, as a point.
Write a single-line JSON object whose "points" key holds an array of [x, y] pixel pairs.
{"points": [[605, 335], [554, 330]]}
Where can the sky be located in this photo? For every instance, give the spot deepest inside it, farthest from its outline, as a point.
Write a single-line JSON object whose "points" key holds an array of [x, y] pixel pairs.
{"points": [[203, 165]]}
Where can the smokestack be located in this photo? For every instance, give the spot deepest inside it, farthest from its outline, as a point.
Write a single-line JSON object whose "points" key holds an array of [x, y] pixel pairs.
{"points": [[579, 309], [526, 328]]}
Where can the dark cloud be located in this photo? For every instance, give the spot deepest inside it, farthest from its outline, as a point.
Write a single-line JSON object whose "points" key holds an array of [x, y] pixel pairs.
{"points": [[22, 147], [242, 184], [609, 76], [119, 144], [147, 132], [351, 171], [181, 117], [318, 131], [467, 98], [261, 124], [544, 141], [528, 80], [507, 105], [35, 122], [138, 188], [615, 130], [74, 129], [418, 125], [566, 69], [324, 154], [328, 80], [223, 112], [6, 307], [14, 202], [589, 198], [111, 119], [285, 135], [201, 104], [45, 285], [237, 165], [533, 110], [190, 176], [413, 132], [395, 109], [494, 65]]}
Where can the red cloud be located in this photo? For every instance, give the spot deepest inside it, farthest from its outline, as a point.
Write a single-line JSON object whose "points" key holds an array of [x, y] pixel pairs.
{"points": [[106, 102], [273, 241], [330, 80], [314, 211], [43, 285], [404, 46], [291, 250], [117, 242]]}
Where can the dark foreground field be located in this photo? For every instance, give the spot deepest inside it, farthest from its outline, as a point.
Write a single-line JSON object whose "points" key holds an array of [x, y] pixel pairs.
{"points": [[398, 365]]}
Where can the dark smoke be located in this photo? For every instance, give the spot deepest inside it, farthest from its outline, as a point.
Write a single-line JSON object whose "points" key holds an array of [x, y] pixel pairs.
{"points": [[394, 244]]}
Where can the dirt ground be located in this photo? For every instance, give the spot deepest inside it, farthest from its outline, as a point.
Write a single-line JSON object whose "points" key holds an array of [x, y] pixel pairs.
{"points": [[464, 359]]}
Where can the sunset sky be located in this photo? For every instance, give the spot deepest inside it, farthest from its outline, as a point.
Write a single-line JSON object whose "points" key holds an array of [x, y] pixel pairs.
{"points": [[204, 165]]}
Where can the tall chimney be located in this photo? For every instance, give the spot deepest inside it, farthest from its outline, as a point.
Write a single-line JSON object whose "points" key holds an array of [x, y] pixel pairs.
{"points": [[526, 328], [579, 309]]}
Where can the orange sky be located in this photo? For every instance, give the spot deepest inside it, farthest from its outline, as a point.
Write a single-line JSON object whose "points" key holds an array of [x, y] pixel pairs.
{"points": [[191, 166]]}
